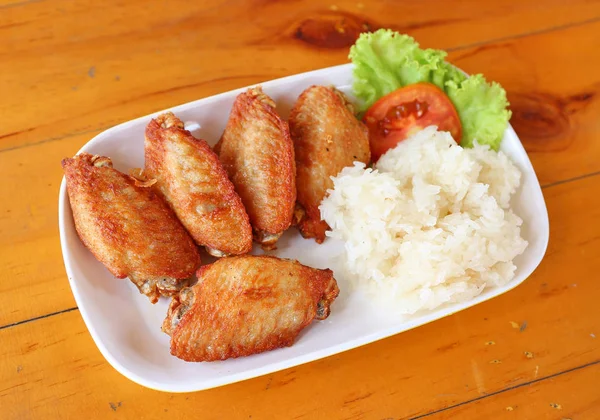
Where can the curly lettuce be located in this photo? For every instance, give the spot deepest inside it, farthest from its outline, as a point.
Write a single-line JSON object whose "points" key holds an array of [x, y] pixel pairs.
{"points": [[386, 60]]}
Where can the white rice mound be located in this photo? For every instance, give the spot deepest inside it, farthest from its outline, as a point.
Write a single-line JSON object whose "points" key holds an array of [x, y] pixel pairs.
{"points": [[430, 224]]}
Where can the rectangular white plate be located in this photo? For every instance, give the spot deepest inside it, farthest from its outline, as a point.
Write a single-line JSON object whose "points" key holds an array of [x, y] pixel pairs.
{"points": [[126, 327]]}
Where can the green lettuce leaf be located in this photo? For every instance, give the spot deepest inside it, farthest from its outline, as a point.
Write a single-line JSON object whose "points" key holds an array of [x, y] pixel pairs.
{"points": [[386, 60], [482, 110]]}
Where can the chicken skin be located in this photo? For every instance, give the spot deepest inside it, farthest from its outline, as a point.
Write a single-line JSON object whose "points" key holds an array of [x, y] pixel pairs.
{"points": [[246, 305], [128, 227], [327, 137], [257, 153], [194, 183]]}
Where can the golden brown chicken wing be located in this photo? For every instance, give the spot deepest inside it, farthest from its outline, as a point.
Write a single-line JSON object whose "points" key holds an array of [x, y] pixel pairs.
{"points": [[327, 137], [193, 181], [129, 228], [258, 154], [246, 305]]}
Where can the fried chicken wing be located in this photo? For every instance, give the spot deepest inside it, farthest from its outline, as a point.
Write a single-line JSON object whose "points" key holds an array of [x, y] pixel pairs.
{"points": [[193, 181], [246, 305], [129, 228], [327, 137], [258, 154]]}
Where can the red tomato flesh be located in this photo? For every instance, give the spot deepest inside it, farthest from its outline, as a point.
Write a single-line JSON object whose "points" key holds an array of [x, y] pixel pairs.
{"points": [[405, 111]]}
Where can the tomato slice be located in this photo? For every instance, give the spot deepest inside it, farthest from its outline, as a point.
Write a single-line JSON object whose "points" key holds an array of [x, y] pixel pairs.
{"points": [[405, 111]]}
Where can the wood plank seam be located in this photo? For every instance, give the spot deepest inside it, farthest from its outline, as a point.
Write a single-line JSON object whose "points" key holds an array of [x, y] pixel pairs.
{"points": [[25, 321], [576, 178], [557, 28], [510, 388], [463, 403]]}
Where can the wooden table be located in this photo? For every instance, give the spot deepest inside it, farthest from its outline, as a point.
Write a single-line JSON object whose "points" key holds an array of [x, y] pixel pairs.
{"points": [[70, 69]]}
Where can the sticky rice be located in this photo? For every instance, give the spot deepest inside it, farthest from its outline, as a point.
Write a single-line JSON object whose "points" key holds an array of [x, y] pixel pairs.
{"points": [[431, 222]]}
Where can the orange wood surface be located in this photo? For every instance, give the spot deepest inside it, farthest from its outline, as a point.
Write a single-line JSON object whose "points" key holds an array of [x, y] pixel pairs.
{"points": [[70, 69], [554, 398]]}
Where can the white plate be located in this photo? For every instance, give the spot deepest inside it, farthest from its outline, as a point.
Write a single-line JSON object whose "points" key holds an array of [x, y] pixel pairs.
{"points": [[126, 327]]}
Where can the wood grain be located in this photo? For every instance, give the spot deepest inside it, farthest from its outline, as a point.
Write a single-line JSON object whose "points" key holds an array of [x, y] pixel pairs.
{"points": [[28, 220], [571, 395], [106, 66], [469, 355], [73, 68], [33, 280]]}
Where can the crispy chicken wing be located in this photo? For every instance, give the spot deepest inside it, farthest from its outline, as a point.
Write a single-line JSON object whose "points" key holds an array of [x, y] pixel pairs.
{"points": [[193, 181], [327, 137], [129, 228], [258, 154], [246, 305]]}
